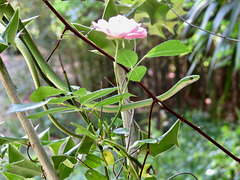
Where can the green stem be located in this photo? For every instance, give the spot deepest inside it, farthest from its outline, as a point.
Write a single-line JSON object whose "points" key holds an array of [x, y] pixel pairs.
{"points": [[116, 145], [33, 72]]}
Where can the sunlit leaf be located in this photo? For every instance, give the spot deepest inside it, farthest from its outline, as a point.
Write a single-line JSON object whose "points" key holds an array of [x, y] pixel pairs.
{"points": [[113, 99], [11, 29], [97, 94], [81, 130], [81, 92], [144, 141], [50, 111], [93, 161], [108, 157], [86, 143], [127, 58], [54, 145], [164, 142], [92, 174], [168, 48], [69, 145], [7, 140], [25, 107], [110, 9], [121, 131], [21, 166], [43, 92], [137, 73], [2, 10]]}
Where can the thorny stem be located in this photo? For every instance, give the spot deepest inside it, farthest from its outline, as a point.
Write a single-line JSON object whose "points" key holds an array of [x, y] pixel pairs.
{"points": [[149, 134], [140, 83]]}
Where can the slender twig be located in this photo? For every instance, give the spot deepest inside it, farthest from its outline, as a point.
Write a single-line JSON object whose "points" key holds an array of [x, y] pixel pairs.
{"points": [[181, 174], [140, 83], [190, 24], [28, 154], [149, 135], [60, 39], [84, 163]]}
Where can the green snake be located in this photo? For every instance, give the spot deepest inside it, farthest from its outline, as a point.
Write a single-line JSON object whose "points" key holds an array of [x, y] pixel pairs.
{"points": [[177, 87]]}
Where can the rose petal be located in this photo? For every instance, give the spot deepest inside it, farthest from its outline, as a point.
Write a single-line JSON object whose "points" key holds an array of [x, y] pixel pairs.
{"points": [[120, 27]]}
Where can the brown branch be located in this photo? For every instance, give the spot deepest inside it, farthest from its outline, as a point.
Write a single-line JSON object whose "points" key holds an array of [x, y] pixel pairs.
{"points": [[140, 83], [149, 135], [60, 39]]}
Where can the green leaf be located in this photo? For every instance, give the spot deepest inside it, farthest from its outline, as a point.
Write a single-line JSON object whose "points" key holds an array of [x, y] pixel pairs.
{"points": [[13, 176], [43, 92], [98, 38], [92, 174], [93, 161], [22, 166], [137, 73], [3, 1], [109, 157], [3, 45], [113, 99], [121, 131], [97, 94], [168, 48], [57, 160], [127, 58], [144, 141], [110, 10], [69, 145], [11, 29], [86, 143], [81, 92], [165, 142], [66, 167], [2, 10], [7, 140], [50, 111], [25, 107], [82, 130], [55, 145], [60, 100]]}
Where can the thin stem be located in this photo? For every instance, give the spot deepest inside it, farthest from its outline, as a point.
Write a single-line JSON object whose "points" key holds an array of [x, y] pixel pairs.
{"points": [[106, 169], [60, 39], [149, 135], [84, 163]]}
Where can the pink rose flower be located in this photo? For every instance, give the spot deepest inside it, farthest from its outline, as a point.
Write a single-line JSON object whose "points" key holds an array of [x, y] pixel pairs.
{"points": [[120, 27]]}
